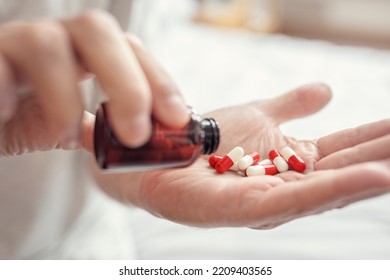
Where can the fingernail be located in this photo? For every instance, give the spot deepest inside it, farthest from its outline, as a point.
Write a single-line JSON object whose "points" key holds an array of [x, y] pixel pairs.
{"points": [[139, 130]]}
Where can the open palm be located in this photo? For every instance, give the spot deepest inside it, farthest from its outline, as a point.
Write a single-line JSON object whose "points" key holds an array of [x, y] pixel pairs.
{"points": [[198, 196]]}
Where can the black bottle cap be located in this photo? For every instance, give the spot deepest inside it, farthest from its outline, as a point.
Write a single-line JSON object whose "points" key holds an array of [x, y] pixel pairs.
{"points": [[211, 136]]}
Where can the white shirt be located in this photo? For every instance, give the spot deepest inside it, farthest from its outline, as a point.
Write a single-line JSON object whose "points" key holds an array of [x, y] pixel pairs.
{"points": [[43, 195]]}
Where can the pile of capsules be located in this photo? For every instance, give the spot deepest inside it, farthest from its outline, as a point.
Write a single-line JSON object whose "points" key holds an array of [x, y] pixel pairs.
{"points": [[251, 165]]}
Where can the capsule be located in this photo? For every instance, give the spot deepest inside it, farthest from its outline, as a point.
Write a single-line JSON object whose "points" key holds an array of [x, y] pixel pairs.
{"points": [[293, 159], [248, 160], [256, 170], [280, 163], [235, 167], [265, 162], [229, 159], [213, 160]]}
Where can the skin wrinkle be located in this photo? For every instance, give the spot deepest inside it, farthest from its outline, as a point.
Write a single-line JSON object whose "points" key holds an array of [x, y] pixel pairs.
{"points": [[244, 197], [349, 135], [353, 155], [14, 142], [222, 213], [154, 188], [135, 195], [371, 175], [294, 198], [307, 149], [328, 145], [223, 209], [242, 211], [370, 150]]}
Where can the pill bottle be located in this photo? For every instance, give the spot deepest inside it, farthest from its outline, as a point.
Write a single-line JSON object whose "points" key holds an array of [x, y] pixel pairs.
{"points": [[167, 147]]}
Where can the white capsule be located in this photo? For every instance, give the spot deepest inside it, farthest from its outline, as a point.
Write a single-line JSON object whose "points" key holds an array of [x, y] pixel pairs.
{"points": [[256, 170], [281, 164], [248, 160], [265, 162], [277, 159], [235, 167], [236, 154], [287, 152], [293, 159], [229, 160]]}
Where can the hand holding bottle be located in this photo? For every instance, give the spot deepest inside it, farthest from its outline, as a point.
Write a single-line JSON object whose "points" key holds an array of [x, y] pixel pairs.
{"points": [[41, 65]]}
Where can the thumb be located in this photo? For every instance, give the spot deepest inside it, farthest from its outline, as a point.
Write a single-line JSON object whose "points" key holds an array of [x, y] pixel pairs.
{"points": [[300, 102], [88, 124]]}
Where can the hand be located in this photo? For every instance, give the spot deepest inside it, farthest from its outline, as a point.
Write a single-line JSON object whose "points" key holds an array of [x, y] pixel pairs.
{"points": [[338, 170], [41, 65]]}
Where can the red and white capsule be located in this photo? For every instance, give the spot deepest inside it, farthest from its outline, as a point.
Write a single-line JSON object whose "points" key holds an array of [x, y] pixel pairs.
{"points": [[280, 163], [229, 159], [213, 160], [248, 160], [265, 162], [257, 170], [235, 167], [293, 159]]}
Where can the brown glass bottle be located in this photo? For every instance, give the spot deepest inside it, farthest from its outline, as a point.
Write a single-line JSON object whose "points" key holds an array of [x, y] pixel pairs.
{"points": [[167, 147]]}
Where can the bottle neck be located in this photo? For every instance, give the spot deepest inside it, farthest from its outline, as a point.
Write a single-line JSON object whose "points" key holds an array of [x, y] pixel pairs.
{"points": [[211, 135]]}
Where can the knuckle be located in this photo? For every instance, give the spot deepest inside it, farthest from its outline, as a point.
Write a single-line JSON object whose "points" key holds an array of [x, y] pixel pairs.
{"points": [[37, 37], [96, 19], [45, 34], [44, 38]]}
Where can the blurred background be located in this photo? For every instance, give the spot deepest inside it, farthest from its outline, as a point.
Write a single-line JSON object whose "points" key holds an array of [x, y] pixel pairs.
{"points": [[251, 49], [364, 22]]}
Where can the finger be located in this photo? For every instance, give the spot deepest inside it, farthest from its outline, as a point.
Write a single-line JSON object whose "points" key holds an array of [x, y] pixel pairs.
{"points": [[43, 54], [367, 151], [105, 52], [303, 101], [87, 131], [350, 137], [331, 189], [86, 140], [168, 105], [7, 91]]}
